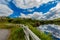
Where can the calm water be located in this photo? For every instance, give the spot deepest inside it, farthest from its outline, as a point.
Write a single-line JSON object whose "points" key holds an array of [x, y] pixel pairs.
{"points": [[51, 28]]}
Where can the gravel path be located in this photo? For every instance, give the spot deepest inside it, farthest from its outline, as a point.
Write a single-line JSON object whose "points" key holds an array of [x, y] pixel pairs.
{"points": [[4, 34]]}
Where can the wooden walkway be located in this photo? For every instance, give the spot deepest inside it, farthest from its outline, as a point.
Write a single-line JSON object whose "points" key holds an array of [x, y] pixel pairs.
{"points": [[29, 32]]}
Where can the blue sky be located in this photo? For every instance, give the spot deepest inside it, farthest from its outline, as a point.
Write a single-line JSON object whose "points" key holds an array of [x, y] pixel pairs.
{"points": [[45, 7], [17, 10]]}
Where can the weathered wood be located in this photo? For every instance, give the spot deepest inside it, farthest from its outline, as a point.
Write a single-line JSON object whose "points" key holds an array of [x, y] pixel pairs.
{"points": [[34, 37]]}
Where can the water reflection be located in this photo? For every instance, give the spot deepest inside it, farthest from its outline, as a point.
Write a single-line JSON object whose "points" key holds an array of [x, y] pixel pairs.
{"points": [[51, 28]]}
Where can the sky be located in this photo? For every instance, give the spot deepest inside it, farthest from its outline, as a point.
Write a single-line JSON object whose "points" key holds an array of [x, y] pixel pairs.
{"points": [[35, 9]]}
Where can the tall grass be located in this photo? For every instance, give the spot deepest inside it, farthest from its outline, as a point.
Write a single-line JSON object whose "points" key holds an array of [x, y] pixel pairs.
{"points": [[17, 34], [4, 26], [40, 34]]}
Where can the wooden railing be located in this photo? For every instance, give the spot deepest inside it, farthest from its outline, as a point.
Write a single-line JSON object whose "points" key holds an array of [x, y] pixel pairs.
{"points": [[29, 32]]}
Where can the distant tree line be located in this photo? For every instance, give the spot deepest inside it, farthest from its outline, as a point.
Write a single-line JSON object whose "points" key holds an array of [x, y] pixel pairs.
{"points": [[34, 23]]}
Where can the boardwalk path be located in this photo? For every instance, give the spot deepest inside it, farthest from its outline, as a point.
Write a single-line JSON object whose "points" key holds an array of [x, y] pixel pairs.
{"points": [[29, 32], [4, 34]]}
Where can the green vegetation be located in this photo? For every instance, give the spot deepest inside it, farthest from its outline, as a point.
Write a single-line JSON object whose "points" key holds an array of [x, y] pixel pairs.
{"points": [[17, 32], [28, 20], [4, 26], [40, 34], [55, 21]]}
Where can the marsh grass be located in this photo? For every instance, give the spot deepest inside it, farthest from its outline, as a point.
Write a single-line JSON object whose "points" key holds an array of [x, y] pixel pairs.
{"points": [[40, 34], [4, 26], [16, 32]]}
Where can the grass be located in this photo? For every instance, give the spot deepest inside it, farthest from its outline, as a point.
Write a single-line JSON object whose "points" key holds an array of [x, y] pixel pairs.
{"points": [[16, 33], [3, 26], [40, 34]]}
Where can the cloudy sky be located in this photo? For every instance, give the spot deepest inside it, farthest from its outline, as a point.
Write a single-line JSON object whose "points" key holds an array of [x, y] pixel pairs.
{"points": [[35, 9]]}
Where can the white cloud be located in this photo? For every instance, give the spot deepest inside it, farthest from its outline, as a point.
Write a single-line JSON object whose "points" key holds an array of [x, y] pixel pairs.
{"points": [[35, 15], [53, 13], [26, 16], [25, 4], [30, 3], [46, 16], [57, 6], [56, 15], [4, 1], [57, 12], [43, 1], [5, 10]]}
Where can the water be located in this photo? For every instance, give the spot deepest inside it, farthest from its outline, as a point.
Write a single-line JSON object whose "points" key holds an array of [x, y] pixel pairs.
{"points": [[51, 28]]}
